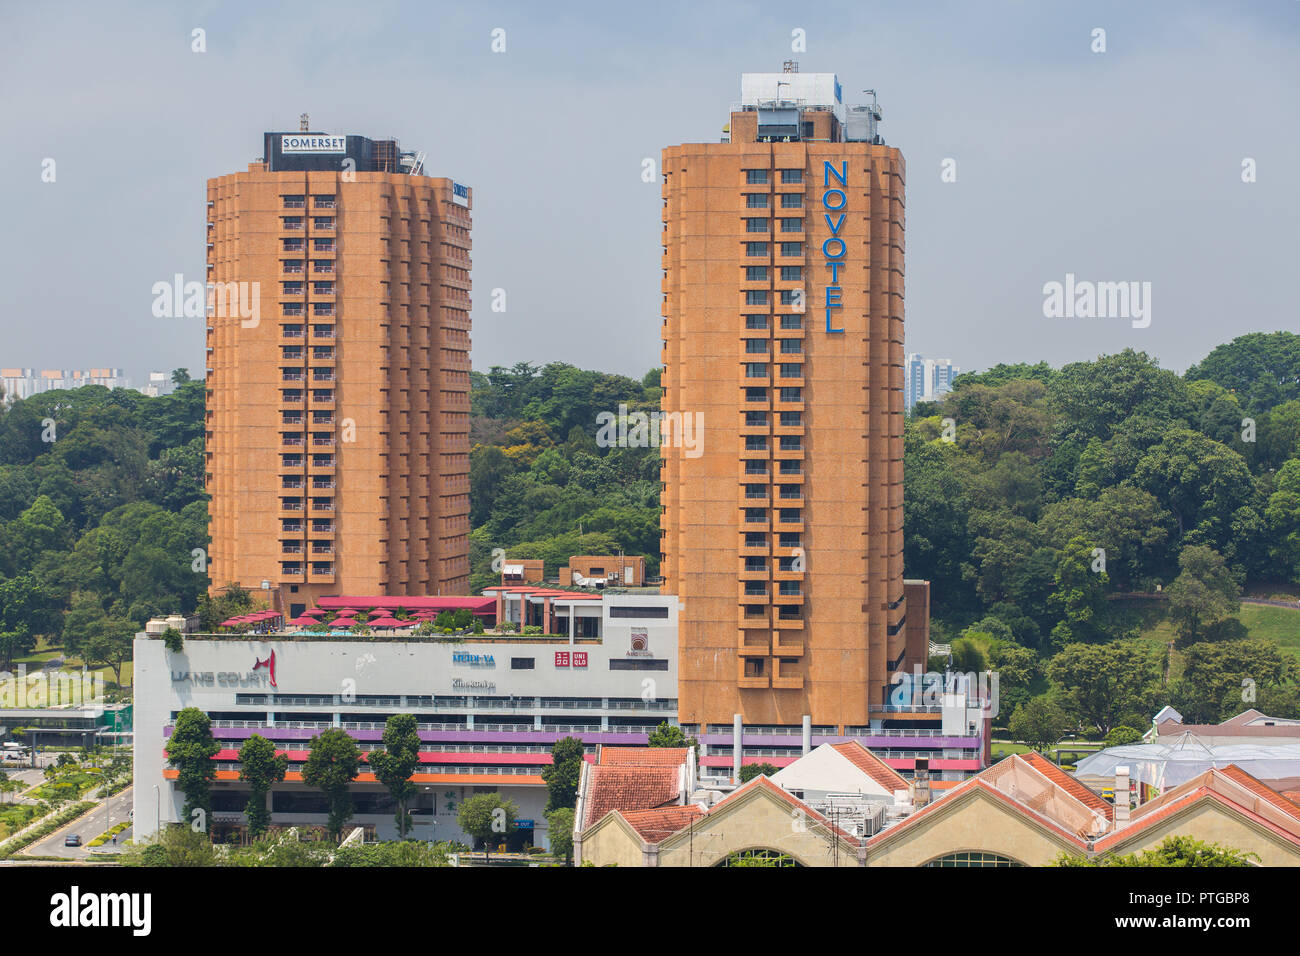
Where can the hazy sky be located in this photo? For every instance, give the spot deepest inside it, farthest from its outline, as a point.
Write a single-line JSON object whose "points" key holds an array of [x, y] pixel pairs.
{"points": [[1122, 165]]}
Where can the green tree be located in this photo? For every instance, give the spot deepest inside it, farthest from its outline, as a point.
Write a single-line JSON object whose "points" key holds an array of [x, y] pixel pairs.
{"points": [[394, 765], [1261, 368], [1121, 735], [1212, 671], [564, 773], [260, 768], [190, 750], [331, 766], [486, 816], [1079, 594], [559, 823], [173, 640], [1172, 851], [1040, 723], [1099, 684], [1204, 593], [751, 770], [669, 735]]}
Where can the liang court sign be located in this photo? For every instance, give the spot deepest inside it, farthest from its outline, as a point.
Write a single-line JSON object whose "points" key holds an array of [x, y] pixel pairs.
{"points": [[221, 679]]}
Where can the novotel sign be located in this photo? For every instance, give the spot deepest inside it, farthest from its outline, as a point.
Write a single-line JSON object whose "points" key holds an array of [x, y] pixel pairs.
{"points": [[313, 143], [834, 199]]}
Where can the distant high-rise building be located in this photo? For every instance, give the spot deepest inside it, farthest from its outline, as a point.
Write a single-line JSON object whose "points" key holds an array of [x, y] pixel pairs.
{"points": [[783, 329], [338, 419], [927, 379]]}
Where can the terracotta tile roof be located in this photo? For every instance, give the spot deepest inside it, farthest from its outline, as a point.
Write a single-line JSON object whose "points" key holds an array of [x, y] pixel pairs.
{"points": [[656, 825], [1067, 783], [626, 788], [871, 765], [643, 756], [953, 796], [1176, 806], [1268, 794]]}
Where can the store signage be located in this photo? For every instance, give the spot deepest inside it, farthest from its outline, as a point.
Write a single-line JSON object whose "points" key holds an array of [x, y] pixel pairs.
{"points": [[563, 659], [833, 201], [460, 194], [472, 660], [231, 678], [269, 664], [459, 684], [313, 143]]}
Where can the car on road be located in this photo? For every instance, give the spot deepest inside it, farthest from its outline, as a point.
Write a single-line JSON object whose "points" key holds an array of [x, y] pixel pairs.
{"points": [[74, 840]]}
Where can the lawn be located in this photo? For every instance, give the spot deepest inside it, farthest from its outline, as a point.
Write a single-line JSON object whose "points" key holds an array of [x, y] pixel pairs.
{"points": [[35, 661]]}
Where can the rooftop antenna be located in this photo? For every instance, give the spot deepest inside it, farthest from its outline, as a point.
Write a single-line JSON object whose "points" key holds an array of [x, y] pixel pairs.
{"points": [[303, 125]]}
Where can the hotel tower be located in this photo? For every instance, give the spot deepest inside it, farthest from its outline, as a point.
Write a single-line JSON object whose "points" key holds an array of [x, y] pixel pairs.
{"points": [[783, 326], [338, 344]]}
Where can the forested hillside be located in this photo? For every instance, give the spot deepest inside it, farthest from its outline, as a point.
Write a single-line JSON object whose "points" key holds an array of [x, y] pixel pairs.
{"points": [[1037, 501]]}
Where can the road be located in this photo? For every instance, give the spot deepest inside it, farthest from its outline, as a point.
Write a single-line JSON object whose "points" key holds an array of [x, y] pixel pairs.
{"points": [[114, 810]]}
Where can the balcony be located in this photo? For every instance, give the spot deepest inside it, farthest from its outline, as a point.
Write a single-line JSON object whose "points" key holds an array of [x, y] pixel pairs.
{"points": [[752, 648], [292, 376]]}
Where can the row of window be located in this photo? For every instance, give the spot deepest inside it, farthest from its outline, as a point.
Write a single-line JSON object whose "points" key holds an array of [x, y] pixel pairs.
{"points": [[788, 249], [759, 274], [788, 322], [764, 225], [760, 200], [758, 177], [787, 419], [759, 346], [784, 370], [793, 297]]}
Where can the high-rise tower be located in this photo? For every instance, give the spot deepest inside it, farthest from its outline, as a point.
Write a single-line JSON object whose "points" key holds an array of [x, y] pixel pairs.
{"points": [[338, 391], [783, 326]]}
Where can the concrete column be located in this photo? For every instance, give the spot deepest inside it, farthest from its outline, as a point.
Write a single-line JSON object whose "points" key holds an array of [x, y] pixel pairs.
{"points": [[469, 721], [736, 749], [537, 721], [807, 733], [573, 615]]}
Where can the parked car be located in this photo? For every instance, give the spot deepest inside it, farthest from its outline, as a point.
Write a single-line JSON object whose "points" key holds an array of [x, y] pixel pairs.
{"points": [[73, 840]]}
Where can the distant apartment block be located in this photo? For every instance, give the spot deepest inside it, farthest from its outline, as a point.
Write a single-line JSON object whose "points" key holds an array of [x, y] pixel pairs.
{"points": [[26, 382], [926, 380]]}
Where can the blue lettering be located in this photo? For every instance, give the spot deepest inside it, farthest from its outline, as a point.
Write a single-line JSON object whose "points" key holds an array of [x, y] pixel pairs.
{"points": [[828, 170], [826, 199]]}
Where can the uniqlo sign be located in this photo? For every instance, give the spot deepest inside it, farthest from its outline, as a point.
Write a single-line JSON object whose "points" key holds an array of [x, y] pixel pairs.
{"points": [[561, 658], [579, 658]]}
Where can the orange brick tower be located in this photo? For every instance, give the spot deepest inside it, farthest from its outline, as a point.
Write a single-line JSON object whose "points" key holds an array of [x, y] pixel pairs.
{"points": [[337, 452], [783, 327]]}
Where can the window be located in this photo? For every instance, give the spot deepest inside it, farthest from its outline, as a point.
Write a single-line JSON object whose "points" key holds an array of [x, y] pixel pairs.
{"points": [[757, 225], [756, 346], [755, 467], [756, 491], [756, 297], [638, 664], [756, 248], [753, 667], [638, 611], [792, 321], [792, 249], [791, 370], [791, 420], [755, 394], [792, 225], [755, 564], [972, 858], [792, 346], [755, 273], [789, 539], [791, 200], [756, 200], [755, 443], [756, 177], [755, 587], [792, 273], [755, 539], [755, 321], [755, 420], [522, 663], [792, 395], [756, 370], [789, 176], [791, 442], [792, 296]]}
